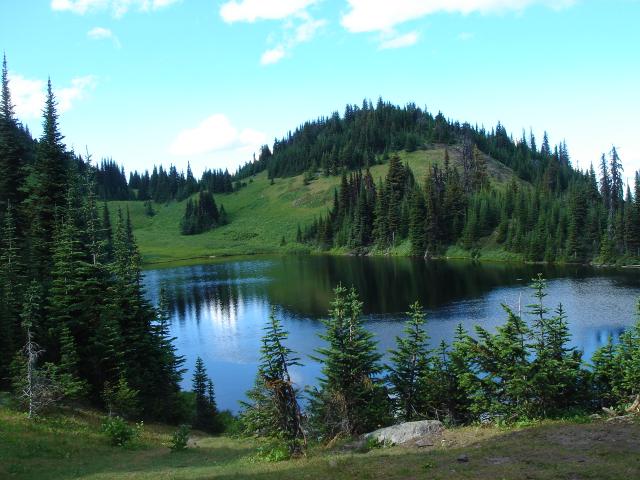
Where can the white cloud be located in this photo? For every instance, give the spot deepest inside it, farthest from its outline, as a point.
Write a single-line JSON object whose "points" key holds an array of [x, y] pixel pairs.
{"points": [[100, 33], [297, 26], [77, 91], [117, 7], [384, 15], [292, 36], [213, 134], [29, 95], [253, 10], [464, 36], [399, 41], [272, 55]]}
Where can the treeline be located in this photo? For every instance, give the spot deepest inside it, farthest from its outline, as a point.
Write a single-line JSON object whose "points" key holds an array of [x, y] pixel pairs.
{"points": [[161, 185], [366, 135], [526, 369], [572, 217], [74, 322]]}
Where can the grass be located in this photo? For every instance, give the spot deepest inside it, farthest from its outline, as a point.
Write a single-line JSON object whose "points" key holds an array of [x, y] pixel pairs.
{"points": [[69, 446], [262, 214]]}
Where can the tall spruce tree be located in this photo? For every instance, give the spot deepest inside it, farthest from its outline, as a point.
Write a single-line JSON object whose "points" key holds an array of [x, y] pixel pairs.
{"points": [[350, 399], [409, 368], [273, 409]]}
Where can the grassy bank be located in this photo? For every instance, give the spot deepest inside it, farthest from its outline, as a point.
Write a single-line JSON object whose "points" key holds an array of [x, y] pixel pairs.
{"points": [[69, 446], [262, 214]]}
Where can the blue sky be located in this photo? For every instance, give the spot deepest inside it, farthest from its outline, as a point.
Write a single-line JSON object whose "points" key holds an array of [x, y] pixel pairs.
{"points": [[208, 81]]}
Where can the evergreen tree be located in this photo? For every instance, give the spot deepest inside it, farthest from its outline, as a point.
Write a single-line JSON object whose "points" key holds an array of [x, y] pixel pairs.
{"points": [[417, 234], [10, 294], [12, 151], [350, 399], [276, 360], [206, 412], [409, 368]]}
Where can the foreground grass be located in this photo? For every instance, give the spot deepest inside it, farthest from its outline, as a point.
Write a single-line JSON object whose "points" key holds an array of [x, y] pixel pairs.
{"points": [[69, 446], [262, 214]]}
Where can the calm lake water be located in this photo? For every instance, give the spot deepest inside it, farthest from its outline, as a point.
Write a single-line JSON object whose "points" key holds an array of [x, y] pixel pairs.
{"points": [[219, 309]]}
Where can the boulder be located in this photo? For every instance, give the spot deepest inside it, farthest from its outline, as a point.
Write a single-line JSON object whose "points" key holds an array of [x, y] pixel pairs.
{"points": [[406, 432]]}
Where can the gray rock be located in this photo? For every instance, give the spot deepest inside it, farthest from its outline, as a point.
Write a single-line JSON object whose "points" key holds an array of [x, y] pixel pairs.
{"points": [[406, 432], [424, 442], [463, 458]]}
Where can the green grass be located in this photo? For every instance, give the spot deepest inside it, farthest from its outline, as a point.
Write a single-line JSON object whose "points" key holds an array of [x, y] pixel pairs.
{"points": [[261, 214], [69, 446]]}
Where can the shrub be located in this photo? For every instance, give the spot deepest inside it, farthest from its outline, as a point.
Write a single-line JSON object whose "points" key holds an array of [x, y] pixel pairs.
{"points": [[274, 451], [180, 438], [120, 433]]}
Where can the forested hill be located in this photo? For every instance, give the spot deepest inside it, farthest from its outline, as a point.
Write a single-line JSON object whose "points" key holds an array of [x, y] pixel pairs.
{"points": [[558, 214], [359, 137], [544, 209]]}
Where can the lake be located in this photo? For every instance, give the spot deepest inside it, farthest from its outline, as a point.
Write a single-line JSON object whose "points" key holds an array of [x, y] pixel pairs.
{"points": [[219, 309]]}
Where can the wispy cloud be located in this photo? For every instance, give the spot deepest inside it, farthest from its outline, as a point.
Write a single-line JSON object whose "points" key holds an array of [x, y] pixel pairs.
{"points": [[292, 35], [464, 36], [118, 8], [399, 41], [272, 55], [253, 10], [297, 25], [216, 133], [78, 90], [384, 15], [101, 33], [29, 95]]}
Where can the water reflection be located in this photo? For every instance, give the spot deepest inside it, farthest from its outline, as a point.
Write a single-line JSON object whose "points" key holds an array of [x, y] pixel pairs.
{"points": [[219, 309]]}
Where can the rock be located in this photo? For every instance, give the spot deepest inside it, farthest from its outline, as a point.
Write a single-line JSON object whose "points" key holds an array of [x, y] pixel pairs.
{"points": [[622, 419], [424, 442], [463, 458], [406, 432]]}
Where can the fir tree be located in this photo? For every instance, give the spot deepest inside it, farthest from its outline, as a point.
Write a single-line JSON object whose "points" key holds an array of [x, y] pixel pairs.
{"points": [[350, 399], [206, 412], [409, 368], [278, 389]]}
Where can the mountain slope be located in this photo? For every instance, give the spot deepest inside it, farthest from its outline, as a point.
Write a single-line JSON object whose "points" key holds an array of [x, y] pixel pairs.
{"points": [[262, 214]]}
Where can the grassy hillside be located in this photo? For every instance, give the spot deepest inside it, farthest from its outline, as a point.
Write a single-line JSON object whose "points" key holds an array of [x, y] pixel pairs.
{"points": [[261, 214], [69, 446]]}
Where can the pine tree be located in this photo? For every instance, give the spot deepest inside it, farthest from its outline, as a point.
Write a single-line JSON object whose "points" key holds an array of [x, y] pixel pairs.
{"points": [[409, 368], [12, 151], [504, 359], [167, 369], [278, 390], [206, 412], [47, 186], [10, 294], [350, 399], [417, 226]]}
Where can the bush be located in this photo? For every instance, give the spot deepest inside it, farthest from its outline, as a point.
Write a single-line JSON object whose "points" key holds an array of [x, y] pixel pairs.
{"points": [[180, 438], [120, 433], [275, 451]]}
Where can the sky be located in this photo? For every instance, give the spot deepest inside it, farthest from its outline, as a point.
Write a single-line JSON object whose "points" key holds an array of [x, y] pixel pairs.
{"points": [[208, 81]]}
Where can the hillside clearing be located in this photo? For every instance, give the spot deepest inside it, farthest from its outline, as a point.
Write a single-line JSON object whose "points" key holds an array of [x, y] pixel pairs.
{"points": [[261, 214]]}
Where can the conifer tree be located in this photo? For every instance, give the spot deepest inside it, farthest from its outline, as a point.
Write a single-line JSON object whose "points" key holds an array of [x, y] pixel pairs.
{"points": [[417, 226], [278, 390], [409, 368], [350, 399], [12, 151], [10, 294], [206, 414]]}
